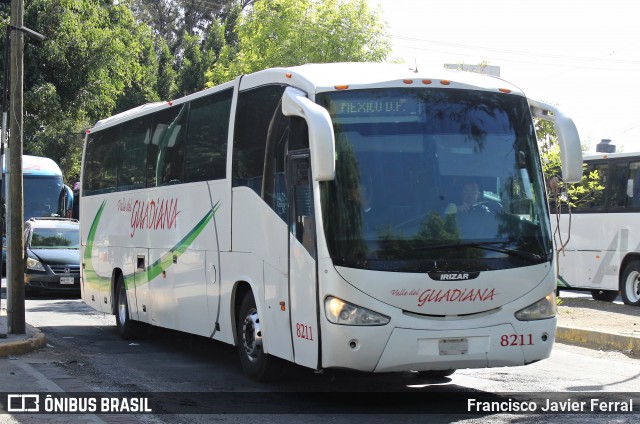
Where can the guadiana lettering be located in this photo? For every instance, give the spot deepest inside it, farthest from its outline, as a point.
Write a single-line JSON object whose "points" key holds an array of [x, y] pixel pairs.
{"points": [[455, 295], [157, 214]]}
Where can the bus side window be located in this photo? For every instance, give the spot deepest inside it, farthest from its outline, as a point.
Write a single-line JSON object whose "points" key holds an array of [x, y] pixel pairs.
{"points": [[618, 185], [136, 137], [254, 113], [101, 163], [634, 183], [273, 190], [208, 128], [598, 201], [166, 151]]}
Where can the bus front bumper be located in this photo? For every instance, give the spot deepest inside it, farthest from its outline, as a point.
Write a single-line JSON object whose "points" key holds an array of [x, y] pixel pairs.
{"points": [[509, 344]]}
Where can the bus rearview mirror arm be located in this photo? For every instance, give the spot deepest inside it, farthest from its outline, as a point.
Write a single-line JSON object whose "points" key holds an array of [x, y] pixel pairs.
{"points": [[321, 138], [568, 138]]}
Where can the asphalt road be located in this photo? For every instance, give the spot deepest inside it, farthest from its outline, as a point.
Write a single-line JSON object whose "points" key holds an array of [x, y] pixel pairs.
{"points": [[203, 377]]}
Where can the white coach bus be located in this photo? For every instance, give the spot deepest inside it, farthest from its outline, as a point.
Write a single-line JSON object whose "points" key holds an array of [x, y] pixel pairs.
{"points": [[317, 214], [603, 252]]}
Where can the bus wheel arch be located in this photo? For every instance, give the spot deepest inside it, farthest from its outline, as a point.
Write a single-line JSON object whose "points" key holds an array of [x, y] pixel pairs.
{"points": [[240, 290], [115, 276], [630, 281]]}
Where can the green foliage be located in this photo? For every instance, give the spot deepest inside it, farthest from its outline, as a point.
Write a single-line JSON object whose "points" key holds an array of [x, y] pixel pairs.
{"points": [[575, 194], [293, 32], [96, 60], [102, 57]]}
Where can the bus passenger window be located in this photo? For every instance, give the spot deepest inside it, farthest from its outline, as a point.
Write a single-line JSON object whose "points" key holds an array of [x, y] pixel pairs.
{"points": [[254, 113], [206, 157], [166, 151]]}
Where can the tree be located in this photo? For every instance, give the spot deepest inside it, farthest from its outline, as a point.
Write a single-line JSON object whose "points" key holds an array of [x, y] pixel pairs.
{"points": [[560, 193], [95, 60], [167, 75], [189, 35], [562, 196], [293, 32]]}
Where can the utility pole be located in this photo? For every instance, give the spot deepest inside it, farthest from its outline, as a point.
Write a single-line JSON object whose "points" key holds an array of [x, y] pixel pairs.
{"points": [[15, 208]]}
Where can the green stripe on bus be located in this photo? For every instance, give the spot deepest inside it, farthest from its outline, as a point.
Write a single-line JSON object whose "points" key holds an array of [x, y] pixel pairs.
{"points": [[153, 270]]}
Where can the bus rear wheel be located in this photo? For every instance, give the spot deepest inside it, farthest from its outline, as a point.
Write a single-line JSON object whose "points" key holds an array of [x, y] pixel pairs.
{"points": [[630, 284], [257, 364], [604, 295]]}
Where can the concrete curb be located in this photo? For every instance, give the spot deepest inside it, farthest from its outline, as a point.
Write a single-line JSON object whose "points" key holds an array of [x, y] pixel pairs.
{"points": [[36, 340], [597, 340]]}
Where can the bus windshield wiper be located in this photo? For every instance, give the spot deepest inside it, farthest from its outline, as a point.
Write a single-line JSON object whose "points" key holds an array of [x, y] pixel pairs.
{"points": [[487, 245]]}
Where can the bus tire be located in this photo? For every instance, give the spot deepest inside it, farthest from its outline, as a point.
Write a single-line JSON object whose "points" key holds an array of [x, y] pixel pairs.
{"points": [[127, 328], [604, 295], [435, 374], [630, 284], [257, 364]]}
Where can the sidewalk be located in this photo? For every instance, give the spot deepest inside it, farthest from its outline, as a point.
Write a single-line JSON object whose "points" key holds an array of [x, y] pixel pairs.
{"points": [[607, 326], [16, 344], [581, 322]]}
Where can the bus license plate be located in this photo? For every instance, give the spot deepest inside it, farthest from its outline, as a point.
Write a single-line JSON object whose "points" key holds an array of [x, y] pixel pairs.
{"points": [[66, 280], [453, 346]]}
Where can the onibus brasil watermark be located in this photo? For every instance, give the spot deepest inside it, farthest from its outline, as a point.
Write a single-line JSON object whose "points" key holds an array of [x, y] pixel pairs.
{"points": [[35, 403]]}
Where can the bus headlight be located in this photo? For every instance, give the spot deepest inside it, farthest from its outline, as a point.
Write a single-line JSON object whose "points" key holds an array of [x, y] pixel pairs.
{"points": [[34, 265], [542, 309], [340, 312]]}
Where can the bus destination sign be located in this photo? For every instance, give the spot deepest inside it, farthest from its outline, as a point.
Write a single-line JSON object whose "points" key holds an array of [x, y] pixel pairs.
{"points": [[375, 106]]}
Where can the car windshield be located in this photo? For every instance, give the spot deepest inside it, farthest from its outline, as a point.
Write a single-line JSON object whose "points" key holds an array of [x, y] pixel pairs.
{"points": [[434, 180], [55, 238]]}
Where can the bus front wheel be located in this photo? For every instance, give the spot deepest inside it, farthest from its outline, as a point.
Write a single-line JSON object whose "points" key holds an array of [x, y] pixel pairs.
{"points": [[257, 364], [630, 284]]}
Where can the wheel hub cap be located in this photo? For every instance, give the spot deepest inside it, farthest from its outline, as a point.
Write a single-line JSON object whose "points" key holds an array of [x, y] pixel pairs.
{"points": [[251, 335]]}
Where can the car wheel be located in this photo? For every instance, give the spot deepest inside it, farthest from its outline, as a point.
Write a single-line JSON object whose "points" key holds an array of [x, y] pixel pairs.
{"points": [[604, 295], [257, 364], [127, 328], [630, 284]]}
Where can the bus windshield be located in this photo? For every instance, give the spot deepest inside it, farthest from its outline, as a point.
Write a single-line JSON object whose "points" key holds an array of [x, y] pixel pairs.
{"points": [[41, 196], [434, 180]]}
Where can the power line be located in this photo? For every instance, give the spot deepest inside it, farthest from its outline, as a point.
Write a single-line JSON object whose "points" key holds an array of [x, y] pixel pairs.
{"points": [[632, 127], [510, 51], [533, 62]]}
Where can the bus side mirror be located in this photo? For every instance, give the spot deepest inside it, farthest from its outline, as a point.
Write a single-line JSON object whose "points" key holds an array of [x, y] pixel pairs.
{"points": [[65, 201], [568, 138], [321, 138]]}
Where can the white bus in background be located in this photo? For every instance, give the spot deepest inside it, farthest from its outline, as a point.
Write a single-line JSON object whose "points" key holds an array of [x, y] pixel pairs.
{"points": [[299, 214], [603, 253]]}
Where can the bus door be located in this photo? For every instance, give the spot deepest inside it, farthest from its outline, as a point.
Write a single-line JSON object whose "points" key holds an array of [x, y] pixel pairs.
{"points": [[303, 287]]}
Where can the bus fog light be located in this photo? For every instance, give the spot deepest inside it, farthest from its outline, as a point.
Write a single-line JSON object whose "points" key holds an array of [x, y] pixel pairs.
{"points": [[340, 312], [542, 309]]}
